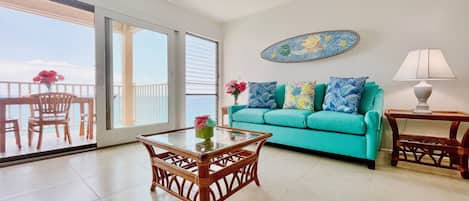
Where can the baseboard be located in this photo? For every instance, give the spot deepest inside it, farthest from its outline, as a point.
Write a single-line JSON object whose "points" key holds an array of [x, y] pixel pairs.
{"points": [[386, 150], [14, 160]]}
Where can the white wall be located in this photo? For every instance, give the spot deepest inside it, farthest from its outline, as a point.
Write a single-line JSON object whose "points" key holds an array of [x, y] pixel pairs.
{"points": [[388, 30]]}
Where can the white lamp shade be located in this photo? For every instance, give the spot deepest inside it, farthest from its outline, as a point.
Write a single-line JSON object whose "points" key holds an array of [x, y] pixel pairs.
{"points": [[424, 64]]}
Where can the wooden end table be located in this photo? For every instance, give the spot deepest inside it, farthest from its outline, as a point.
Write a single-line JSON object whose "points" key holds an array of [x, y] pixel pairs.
{"points": [[224, 111], [196, 169], [418, 148]]}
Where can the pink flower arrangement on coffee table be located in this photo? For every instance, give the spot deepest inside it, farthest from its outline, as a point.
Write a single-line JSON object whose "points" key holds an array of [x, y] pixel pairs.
{"points": [[204, 127], [48, 77], [200, 122], [234, 88]]}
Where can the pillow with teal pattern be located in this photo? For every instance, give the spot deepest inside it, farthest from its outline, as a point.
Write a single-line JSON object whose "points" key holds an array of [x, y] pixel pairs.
{"points": [[262, 94], [344, 94]]}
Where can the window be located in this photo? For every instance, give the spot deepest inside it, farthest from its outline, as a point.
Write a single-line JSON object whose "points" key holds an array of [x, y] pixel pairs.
{"points": [[201, 78]]}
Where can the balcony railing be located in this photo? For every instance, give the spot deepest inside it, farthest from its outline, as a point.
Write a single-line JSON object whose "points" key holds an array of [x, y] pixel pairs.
{"points": [[156, 94]]}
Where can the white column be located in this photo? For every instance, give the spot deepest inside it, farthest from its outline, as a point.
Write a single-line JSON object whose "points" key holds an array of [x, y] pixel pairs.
{"points": [[128, 100]]}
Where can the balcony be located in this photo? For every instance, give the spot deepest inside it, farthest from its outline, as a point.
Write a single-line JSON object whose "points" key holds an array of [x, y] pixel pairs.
{"points": [[80, 125]]}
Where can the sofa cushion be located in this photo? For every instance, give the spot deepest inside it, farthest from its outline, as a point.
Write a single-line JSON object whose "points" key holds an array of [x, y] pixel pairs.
{"points": [[368, 97], [287, 117], [280, 95], [250, 115], [299, 95], [344, 94], [319, 93], [337, 122], [262, 94]]}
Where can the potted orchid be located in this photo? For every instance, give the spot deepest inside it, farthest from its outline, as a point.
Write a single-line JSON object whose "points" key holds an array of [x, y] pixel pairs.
{"points": [[204, 127], [48, 77], [234, 88]]}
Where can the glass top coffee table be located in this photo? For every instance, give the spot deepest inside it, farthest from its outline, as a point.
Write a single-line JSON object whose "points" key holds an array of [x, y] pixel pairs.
{"points": [[191, 168]]}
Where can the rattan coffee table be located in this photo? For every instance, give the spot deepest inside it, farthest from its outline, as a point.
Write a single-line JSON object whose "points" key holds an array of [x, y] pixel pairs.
{"points": [[196, 169]]}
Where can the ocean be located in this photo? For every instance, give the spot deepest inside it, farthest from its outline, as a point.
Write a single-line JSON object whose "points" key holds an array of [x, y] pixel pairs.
{"points": [[148, 110]]}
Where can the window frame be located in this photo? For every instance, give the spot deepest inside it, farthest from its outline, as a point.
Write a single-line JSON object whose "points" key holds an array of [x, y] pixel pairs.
{"points": [[217, 73], [109, 135]]}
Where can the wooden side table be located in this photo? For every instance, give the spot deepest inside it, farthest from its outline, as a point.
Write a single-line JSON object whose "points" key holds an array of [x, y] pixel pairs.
{"points": [[224, 111], [418, 148]]}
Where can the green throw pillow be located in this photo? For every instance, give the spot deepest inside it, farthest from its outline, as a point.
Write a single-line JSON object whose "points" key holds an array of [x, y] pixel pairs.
{"points": [[368, 97], [280, 95], [320, 92]]}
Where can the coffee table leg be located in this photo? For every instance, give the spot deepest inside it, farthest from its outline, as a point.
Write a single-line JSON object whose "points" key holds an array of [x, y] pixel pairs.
{"points": [[204, 185], [155, 179], [463, 166], [258, 152], [151, 153], [256, 177]]}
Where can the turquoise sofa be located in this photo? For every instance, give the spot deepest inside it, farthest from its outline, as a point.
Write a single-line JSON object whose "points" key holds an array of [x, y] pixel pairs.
{"points": [[354, 135]]}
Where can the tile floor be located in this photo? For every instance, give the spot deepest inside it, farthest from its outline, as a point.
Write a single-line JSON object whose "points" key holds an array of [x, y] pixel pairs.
{"points": [[49, 142], [123, 173]]}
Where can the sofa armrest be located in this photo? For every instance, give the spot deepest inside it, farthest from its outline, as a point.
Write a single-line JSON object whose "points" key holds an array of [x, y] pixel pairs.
{"points": [[378, 104], [232, 109], [373, 121]]}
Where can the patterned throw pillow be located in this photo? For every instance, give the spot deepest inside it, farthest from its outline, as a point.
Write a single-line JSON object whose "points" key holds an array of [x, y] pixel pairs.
{"points": [[299, 95], [262, 94], [344, 94]]}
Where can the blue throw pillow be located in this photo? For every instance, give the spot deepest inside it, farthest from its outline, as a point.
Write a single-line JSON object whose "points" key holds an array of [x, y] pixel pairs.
{"points": [[344, 94], [262, 94]]}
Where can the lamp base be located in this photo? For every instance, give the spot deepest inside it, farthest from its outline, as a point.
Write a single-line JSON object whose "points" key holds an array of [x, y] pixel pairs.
{"points": [[422, 91]]}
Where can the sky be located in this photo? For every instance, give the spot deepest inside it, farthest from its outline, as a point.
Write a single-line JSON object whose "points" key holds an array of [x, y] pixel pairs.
{"points": [[30, 43]]}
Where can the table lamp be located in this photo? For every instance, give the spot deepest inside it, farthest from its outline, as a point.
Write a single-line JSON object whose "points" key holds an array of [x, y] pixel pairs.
{"points": [[422, 65]]}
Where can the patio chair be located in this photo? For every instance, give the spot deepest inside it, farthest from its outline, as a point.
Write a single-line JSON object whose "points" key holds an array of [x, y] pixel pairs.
{"points": [[13, 126], [84, 120], [34, 110], [49, 109]]}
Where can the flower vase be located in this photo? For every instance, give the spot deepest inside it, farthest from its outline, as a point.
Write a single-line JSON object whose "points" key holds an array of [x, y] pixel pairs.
{"points": [[204, 146], [204, 133], [49, 87], [235, 99]]}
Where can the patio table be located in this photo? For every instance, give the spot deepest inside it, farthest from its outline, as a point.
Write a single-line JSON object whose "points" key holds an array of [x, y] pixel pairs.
{"points": [[27, 100]]}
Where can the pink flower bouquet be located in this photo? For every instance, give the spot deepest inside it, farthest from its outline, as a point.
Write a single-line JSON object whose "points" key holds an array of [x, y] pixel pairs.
{"points": [[48, 77], [234, 88]]}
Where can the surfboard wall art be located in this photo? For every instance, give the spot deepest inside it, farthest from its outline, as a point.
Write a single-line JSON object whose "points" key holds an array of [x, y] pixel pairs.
{"points": [[311, 46]]}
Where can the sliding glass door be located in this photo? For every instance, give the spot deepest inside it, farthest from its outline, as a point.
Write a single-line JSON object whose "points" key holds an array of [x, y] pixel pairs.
{"points": [[121, 69], [139, 76], [137, 81], [45, 47]]}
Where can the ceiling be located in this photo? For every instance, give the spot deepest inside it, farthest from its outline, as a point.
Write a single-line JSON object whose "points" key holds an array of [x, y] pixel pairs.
{"points": [[227, 10], [51, 10]]}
